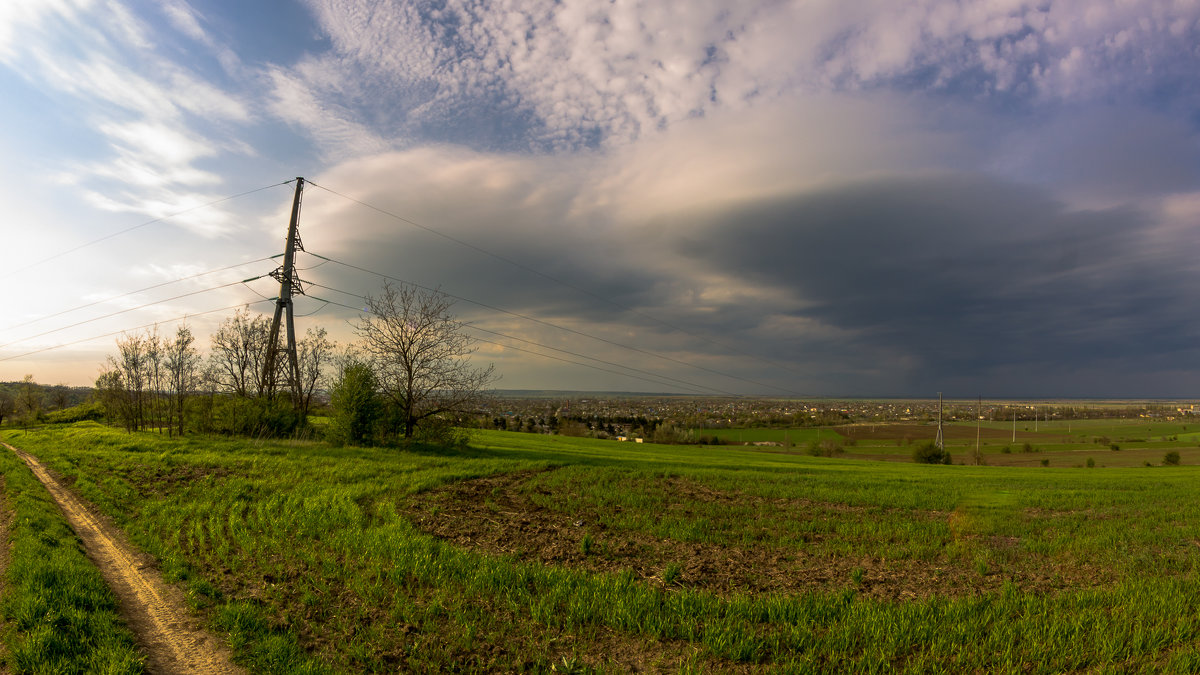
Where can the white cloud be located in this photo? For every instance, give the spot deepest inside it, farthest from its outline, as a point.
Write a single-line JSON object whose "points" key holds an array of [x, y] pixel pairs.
{"points": [[161, 120], [626, 69]]}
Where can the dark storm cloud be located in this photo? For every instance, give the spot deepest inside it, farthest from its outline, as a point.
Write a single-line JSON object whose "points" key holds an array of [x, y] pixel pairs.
{"points": [[968, 276]]}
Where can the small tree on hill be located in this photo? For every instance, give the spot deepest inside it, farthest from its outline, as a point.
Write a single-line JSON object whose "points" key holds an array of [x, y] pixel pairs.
{"points": [[7, 405], [29, 400], [182, 365], [355, 403], [315, 356], [420, 355]]}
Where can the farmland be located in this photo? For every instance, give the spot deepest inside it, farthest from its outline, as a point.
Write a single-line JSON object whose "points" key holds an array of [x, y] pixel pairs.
{"points": [[540, 553]]}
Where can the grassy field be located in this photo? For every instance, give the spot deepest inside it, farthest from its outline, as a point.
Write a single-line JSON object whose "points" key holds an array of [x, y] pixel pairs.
{"points": [[58, 615], [553, 554], [1060, 443]]}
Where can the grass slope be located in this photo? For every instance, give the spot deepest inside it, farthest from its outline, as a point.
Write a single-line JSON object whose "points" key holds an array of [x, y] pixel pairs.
{"points": [[310, 558], [60, 616]]}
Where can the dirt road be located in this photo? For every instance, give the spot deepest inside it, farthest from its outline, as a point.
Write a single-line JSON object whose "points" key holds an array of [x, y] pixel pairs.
{"points": [[172, 641]]}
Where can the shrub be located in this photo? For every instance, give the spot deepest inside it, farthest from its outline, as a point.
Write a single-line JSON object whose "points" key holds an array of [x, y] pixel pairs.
{"points": [[1091, 463], [929, 453], [825, 448], [1006, 450], [1171, 458], [1114, 447], [1045, 462], [356, 406]]}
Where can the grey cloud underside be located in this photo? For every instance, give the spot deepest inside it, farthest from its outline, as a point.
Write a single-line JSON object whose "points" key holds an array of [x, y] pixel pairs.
{"points": [[894, 285], [968, 274]]}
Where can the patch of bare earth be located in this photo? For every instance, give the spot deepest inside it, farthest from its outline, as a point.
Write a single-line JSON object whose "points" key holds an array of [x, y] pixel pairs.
{"points": [[495, 515], [171, 639]]}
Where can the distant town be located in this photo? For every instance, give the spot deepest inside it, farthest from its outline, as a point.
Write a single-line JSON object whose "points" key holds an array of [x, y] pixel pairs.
{"points": [[667, 418]]}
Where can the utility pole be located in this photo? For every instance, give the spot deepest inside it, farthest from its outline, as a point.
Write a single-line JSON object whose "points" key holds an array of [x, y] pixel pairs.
{"points": [[289, 283], [978, 416], [940, 441]]}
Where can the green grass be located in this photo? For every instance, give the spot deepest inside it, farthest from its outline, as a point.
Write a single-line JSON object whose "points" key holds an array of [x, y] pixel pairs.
{"points": [[304, 557], [60, 617], [798, 436]]}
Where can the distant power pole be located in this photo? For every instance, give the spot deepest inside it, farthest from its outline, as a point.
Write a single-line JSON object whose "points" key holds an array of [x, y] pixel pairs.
{"points": [[978, 417], [940, 441], [289, 283]]}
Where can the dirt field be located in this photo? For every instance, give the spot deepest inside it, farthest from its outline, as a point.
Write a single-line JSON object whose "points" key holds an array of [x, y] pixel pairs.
{"points": [[514, 525]]}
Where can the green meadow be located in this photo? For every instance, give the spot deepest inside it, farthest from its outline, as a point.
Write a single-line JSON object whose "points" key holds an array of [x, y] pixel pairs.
{"points": [[535, 553], [58, 616]]}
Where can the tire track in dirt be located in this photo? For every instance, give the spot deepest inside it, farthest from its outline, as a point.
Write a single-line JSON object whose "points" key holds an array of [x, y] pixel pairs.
{"points": [[172, 641]]}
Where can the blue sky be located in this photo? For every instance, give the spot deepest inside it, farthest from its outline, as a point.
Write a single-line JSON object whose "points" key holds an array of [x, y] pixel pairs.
{"points": [[873, 198]]}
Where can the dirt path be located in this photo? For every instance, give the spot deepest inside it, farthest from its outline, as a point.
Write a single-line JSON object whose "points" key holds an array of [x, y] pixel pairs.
{"points": [[155, 611]]}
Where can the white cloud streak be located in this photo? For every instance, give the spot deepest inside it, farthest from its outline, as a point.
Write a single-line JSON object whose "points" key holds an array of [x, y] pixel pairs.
{"points": [[623, 70], [155, 115]]}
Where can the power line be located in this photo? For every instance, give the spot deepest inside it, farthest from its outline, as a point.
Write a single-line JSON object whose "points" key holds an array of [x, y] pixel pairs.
{"points": [[551, 325], [140, 290], [661, 380], [665, 378], [131, 309], [561, 282], [125, 330], [472, 326], [141, 225]]}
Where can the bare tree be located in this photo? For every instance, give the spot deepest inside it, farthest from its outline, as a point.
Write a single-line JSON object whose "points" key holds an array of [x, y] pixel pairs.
{"points": [[132, 367], [155, 379], [110, 388], [182, 365], [419, 354], [60, 395], [239, 350], [8, 405], [29, 400], [315, 354]]}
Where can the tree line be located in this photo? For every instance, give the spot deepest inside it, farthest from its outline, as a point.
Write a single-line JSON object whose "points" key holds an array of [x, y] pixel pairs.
{"points": [[163, 382], [407, 376]]}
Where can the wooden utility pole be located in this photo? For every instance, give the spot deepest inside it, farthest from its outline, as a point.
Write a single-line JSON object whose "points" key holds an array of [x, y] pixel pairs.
{"points": [[289, 283]]}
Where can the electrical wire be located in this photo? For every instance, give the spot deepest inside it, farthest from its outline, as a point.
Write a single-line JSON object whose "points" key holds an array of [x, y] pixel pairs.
{"points": [[131, 309], [545, 346], [126, 330], [549, 324], [141, 225], [661, 380], [140, 290], [666, 378], [561, 282]]}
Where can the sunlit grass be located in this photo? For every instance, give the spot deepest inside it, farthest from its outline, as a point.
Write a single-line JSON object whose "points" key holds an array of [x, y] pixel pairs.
{"points": [[60, 616], [302, 556]]}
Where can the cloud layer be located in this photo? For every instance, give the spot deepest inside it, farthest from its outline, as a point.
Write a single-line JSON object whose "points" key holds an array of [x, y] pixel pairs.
{"points": [[996, 196]]}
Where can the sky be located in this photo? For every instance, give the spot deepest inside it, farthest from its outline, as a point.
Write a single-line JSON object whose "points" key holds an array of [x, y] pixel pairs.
{"points": [[817, 198]]}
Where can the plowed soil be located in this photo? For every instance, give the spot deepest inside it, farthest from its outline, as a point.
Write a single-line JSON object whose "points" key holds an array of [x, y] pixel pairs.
{"points": [[172, 641], [494, 514]]}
